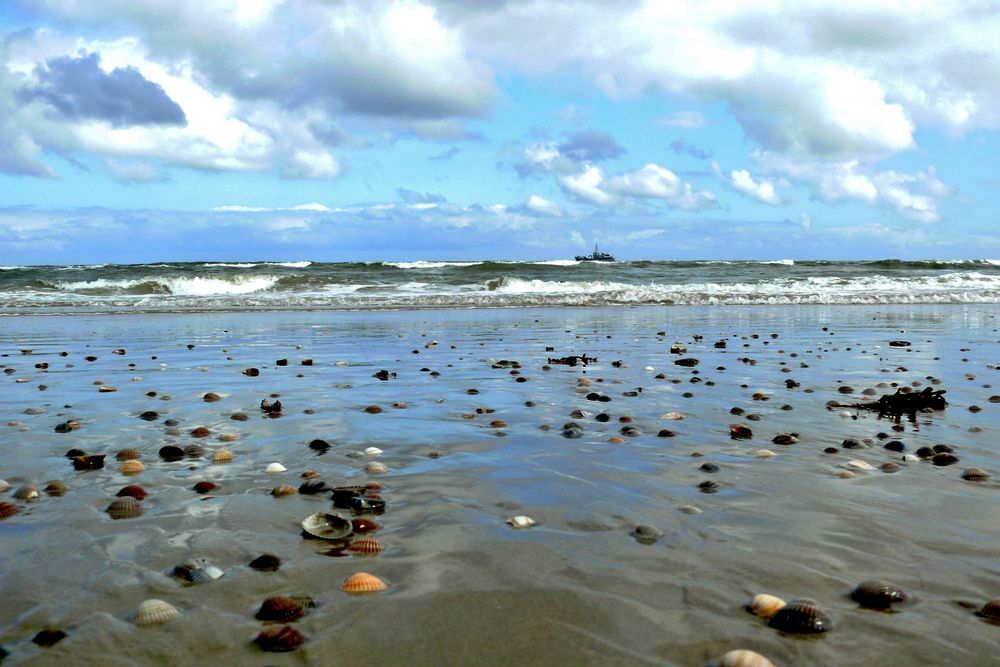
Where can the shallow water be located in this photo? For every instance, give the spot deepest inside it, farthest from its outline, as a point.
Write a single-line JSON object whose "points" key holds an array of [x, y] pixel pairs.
{"points": [[464, 587]]}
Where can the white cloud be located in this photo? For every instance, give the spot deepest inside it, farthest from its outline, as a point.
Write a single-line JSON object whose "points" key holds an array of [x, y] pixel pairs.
{"points": [[762, 191], [586, 186], [684, 119], [655, 182], [543, 206], [134, 171]]}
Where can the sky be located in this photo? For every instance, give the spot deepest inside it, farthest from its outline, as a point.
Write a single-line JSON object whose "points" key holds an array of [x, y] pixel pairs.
{"points": [[357, 130]]}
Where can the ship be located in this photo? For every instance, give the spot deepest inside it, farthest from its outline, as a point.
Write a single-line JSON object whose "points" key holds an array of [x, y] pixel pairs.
{"points": [[596, 256]]}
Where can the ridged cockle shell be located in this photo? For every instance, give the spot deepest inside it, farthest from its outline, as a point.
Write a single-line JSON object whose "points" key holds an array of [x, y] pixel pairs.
{"points": [[125, 507], [153, 612], [376, 468], [366, 546], [801, 616], [361, 583], [279, 639], [8, 509], [990, 610], [280, 608], [131, 467], [284, 490], [876, 594], [222, 456]]}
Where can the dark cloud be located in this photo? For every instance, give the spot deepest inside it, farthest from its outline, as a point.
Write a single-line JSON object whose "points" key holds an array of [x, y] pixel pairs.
{"points": [[591, 146], [682, 146], [79, 88], [414, 197]]}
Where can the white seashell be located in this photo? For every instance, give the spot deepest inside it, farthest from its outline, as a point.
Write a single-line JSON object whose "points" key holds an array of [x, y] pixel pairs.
{"points": [[342, 363], [326, 526], [765, 605], [910, 458], [689, 509], [671, 416], [845, 414], [136, 379], [275, 468], [152, 612], [650, 369], [741, 658], [858, 464], [373, 451], [376, 468], [4, 485], [521, 521], [763, 453], [846, 474]]}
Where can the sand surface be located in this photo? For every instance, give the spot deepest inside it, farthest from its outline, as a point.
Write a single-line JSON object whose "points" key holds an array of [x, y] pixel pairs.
{"points": [[464, 587]]}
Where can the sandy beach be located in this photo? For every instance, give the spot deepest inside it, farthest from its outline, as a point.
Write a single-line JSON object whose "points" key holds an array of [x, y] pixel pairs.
{"points": [[473, 428]]}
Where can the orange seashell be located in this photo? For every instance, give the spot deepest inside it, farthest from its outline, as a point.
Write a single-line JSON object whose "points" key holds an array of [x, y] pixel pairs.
{"points": [[764, 605], [222, 456], [131, 467], [373, 409], [362, 583], [127, 454], [363, 525], [366, 546], [200, 432]]}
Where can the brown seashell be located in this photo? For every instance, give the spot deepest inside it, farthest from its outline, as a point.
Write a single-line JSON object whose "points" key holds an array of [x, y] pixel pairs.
{"points": [[88, 462], [211, 397], [171, 453], [362, 583], [740, 432], [132, 491], [944, 459], [266, 563], [8, 509], [205, 487], [801, 616], [975, 475], [875, 594], [132, 467], [366, 546], [281, 609], [741, 658], [127, 454], [27, 492], [222, 456], [125, 507], [239, 416], [153, 612], [200, 432], [55, 488], [364, 525], [48, 637], [373, 409], [784, 439], [990, 610], [376, 468], [149, 415], [279, 639], [764, 605], [283, 490]]}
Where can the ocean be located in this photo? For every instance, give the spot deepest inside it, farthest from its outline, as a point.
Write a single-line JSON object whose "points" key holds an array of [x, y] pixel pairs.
{"points": [[305, 285]]}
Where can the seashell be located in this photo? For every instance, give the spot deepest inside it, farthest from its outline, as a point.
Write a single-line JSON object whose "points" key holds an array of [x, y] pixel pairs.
{"points": [[740, 432], [708, 486], [275, 468], [741, 658], [364, 525], [354, 454], [944, 459], [27, 492], [764, 605], [784, 439], [228, 437], [801, 616], [205, 487], [200, 432], [319, 445], [4, 485], [55, 488], [975, 475], [125, 507], [153, 612], [171, 453], [313, 486], [990, 610], [361, 583], [131, 467], [858, 464], [48, 637], [521, 521], [132, 491], [690, 509], [644, 534], [279, 639], [211, 397], [376, 468], [846, 474], [88, 462], [763, 454], [671, 416], [149, 416], [373, 409], [366, 546], [104, 389], [8, 509], [283, 490], [266, 563], [876, 594], [326, 526], [222, 456], [281, 609], [890, 467], [197, 571], [373, 451], [127, 454]]}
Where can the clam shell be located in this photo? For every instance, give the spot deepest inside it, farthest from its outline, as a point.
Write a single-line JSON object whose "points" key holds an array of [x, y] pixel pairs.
{"points": [[283, 490], [801, 616], [133, 490], [4, 485], [858, 464], [8, 509], [55, 488], [275, 468], [376, 468], [279, 639], [171, 453], [990, 610], [764, 605], [125, 507], [366, 546], [222, 456], [521, 521], [131, 467], [205, 487], [763, 454], [127, 454], [27, 492], [361, 583], [373, 451], [671, 416], [153, 611], [646, 534], [326, 526], [281, 609], [741, 658], [876, 594], [975, 475]]}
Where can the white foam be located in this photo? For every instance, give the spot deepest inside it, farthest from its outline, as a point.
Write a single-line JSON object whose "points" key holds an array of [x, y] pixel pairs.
{"points": [[428, 265], [194, 286]]}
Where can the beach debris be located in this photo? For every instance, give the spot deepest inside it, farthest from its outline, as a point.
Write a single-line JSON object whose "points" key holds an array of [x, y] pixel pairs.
{"points": [[878, 594], [269, 408], [383, 375], [904, 402], [154, 612], [644, 534], [279, 639], [801, 616], [688, 362], [362, 583], [521, 521], [366, 546], [266, 563], [48, 637], [281, 609], [573, 360], [899, 343], [326, 526], [764, 605], [740, 658]]}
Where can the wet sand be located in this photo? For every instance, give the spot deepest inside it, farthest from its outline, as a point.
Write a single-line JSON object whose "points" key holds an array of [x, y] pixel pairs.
{"points": [[464, 587]]}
